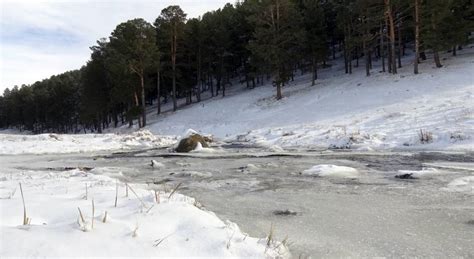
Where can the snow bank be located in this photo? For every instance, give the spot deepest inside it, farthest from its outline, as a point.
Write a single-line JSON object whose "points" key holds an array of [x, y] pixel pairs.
{"points": [[332, 171], [135, 227], [59, 143], [462, 184]]}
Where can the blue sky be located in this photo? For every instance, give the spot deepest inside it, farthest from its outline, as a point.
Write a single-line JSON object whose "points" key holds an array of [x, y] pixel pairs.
{"points": [[40, 38]]}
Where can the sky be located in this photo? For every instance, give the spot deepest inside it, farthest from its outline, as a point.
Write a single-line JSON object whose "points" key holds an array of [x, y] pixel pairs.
{"points": [[41, 38]]}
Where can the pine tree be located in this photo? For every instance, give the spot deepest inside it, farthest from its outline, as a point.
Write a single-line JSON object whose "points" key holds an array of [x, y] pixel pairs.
{"points": [[315, 37], [277, 33], [436, 14], [135, 42], [170, 23]]}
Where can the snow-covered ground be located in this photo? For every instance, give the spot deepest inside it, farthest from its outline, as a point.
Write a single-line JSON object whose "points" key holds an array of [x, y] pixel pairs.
{"points": [[58, 143], [382, 112], [143, 224], [345, 111]]}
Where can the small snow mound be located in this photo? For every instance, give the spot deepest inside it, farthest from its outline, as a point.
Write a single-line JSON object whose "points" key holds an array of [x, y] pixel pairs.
{"points": [[141, 135], [275, 148], [156, 164], [193, 174], [146, 138], [189, 132], [200, 149], [249, 168], [462, 184], [332, 171]]}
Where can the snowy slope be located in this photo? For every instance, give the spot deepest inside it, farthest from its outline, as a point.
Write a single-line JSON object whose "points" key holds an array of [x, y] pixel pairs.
{"points": [[379, 112]]}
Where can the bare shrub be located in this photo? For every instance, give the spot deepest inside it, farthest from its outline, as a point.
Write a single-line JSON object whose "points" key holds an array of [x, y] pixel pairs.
{"points": [[425, 136]]}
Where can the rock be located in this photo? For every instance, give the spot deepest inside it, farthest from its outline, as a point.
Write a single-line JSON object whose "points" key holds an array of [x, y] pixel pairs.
{"points": [[285, 213], [405, 176], [190, 143]]}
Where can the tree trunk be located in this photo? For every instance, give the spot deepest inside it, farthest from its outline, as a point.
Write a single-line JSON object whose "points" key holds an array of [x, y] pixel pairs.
{"points": [[173, 64], [382, 46], [316, 70], [211, 81], [417, 37], [158, 88], [436, 58], [391, 25], [435, 50], [313, 70], [370, 58], [142, 83], [199, 83], [279, 95], [454, 50], [346, 63], [223, 81], [400, 44], [367, 59], [357, 56], [137, 104]]}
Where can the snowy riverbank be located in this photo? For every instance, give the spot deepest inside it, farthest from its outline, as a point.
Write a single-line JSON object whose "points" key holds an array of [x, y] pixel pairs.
{"points": [[143, 224], [11, 144]]}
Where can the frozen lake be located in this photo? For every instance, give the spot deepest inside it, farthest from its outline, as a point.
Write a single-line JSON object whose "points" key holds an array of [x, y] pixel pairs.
{"points": [[370, 214]]}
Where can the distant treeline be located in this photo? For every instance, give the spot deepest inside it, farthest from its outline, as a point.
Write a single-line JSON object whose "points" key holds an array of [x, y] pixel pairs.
{"points": [[249, 42]]}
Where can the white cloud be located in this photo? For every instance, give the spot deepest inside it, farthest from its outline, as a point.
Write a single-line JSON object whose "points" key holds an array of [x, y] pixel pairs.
{"points": [[42, 38]]}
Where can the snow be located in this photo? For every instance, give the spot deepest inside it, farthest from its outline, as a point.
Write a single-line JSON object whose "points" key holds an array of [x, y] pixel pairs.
{"points": [[61, 143], [157, 165], [193, 174], [200, 149], [380, 112], [175, 226], [425, 172], [462, 184], [332, 171]]}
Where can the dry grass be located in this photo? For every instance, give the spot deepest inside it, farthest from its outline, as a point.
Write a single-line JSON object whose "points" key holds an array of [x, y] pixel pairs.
{"points": [[157, 197], [26, 220], [138, 197], [93, 212], [230, 240], [135, 231], [149, 209], [175, 189], [116, 193], [104, 220], [425, 136], [87, 193], [82, 217], [159, 241], [270, 236]]}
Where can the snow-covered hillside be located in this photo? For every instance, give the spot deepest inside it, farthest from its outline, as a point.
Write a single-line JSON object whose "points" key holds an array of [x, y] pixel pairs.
{"points": [[345, 111]]}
